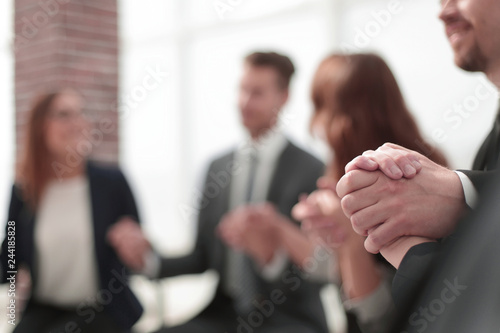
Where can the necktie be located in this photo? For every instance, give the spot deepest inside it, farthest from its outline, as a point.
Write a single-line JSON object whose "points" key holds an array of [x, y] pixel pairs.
{"points": [[251, 176], [244, 276]]}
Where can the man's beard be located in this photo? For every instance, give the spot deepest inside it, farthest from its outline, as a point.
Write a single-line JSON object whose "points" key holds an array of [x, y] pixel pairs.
{"points": [[473, 61]]}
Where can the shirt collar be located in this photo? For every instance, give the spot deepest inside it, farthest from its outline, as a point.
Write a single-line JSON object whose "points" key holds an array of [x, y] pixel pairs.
{"points": [[269, 145]]}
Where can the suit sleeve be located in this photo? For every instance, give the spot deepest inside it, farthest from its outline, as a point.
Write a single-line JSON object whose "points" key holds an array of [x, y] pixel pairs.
{"points": [[481, 179], [197, 261], [128, 205], [412, 271]]}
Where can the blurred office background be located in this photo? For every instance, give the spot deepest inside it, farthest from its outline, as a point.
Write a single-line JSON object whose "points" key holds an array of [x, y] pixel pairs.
{"points": [[168, 129]]}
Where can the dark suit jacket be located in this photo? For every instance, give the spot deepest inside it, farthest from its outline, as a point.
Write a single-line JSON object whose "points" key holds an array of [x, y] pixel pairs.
{"points": [[462, 293], [418, 263], [480, 178], [111, 198], [296, 173]]}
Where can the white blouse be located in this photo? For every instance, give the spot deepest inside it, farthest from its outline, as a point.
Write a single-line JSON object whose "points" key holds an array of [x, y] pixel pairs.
{"points": [[64, 244]]}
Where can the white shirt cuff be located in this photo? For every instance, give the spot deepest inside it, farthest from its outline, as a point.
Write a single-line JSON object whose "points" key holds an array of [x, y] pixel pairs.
{"points": [[470, 192], [275, 267], [152, 263]]}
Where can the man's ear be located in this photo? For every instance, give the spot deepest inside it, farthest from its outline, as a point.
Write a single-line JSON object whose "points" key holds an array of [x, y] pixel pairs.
{"points": [[285, 95], [283, 99]]}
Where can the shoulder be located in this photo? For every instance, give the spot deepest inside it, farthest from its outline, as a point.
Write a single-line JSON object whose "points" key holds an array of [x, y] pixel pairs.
{"points": [[222, 161], [16, 193], [293, 152], [104, 172]]}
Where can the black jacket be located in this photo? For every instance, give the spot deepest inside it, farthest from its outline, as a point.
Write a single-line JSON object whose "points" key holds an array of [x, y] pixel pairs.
{"points": [[425, 260], [461, 292]]}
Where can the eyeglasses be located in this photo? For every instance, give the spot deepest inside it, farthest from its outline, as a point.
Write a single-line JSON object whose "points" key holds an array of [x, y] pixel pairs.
{"points": [[67, 115]]}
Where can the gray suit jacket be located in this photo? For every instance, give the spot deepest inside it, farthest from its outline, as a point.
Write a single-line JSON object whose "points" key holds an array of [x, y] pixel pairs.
{"points": [[296, 173]]}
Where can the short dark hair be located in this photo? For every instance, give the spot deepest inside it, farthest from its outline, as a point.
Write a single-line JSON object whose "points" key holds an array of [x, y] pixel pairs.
{"points": [[281, 63]]}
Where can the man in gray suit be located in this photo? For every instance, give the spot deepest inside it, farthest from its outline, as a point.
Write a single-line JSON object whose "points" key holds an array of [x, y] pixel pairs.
{"points": [[259, 289]]}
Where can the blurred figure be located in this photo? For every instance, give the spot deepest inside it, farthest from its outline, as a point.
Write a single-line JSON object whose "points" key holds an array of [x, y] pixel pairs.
{"points": [[259, 290], [61, 208], [358, 106]]}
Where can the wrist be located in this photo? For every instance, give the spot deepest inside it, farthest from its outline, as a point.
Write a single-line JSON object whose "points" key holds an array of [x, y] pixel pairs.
{"points": [[395, 252], [359, 272], [281, 230], [448, 184], [453, 192], [352, 246]]}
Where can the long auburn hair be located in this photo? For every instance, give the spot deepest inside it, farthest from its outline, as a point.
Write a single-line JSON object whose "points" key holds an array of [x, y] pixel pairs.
{"points": [[364, 108], [34, 170]]}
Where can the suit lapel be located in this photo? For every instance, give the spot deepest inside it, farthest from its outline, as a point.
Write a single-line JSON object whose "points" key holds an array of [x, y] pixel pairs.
{"points": [[482, 155], [280, 175], [221, 208]]}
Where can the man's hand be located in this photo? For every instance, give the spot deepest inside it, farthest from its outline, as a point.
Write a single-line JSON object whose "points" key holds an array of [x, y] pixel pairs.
{"points": [[232, 228], [129, 242], [253, 230], [393, 160], [429, 205]]}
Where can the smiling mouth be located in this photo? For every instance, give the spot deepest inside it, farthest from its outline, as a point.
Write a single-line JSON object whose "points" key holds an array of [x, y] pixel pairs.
{"points": [[457, 36], [457, 32]]}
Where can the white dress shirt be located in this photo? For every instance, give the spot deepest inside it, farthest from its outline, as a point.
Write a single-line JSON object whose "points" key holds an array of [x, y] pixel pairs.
{"points": [[268, 150], [64, 244]]}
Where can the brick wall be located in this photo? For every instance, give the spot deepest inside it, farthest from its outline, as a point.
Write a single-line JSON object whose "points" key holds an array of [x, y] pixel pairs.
{"points": [[69, 43]]}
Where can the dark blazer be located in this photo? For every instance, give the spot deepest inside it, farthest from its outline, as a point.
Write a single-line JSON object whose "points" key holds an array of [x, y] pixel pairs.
{"points": [[417, 263], [111, 198], [462, 293], [479, 177], [296, 173]]}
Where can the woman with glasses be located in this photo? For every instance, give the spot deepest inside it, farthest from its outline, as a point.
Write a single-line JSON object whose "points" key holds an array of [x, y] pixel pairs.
{"points": [[61, 207]]}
